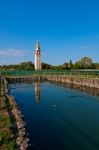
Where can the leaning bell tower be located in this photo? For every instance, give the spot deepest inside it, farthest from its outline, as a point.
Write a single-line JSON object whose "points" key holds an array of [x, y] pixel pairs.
{"points": [[37, 57]]}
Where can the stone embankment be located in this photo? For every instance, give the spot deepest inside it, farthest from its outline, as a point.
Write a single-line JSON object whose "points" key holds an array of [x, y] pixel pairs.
{"points": [[77, 80], [21, 137]]}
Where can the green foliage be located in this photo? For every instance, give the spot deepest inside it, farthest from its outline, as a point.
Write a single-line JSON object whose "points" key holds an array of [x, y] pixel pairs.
{"points": [[84, 63], [4, 121], [7, 130], [11, 145], [6, 141], [46, 66], [71, 64], [96, 65], [22, 66], [27, 65]]}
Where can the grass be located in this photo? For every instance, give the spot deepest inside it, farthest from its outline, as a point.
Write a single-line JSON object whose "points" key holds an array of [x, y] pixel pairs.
{"points": [[7, 131]]}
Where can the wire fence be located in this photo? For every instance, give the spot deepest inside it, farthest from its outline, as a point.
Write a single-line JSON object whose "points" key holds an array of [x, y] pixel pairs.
{"points": [[20, 73]]}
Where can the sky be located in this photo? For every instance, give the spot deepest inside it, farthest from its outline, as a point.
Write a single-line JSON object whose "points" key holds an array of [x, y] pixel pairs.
{"points": [[66, 29]]}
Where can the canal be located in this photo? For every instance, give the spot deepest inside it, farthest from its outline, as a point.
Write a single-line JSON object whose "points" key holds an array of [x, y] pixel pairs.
{"points": [[58, 118]]}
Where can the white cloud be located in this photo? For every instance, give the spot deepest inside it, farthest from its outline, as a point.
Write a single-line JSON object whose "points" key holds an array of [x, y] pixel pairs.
{"points": [[13, 52]]}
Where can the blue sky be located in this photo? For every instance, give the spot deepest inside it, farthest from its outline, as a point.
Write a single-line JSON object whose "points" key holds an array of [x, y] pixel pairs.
{"points": [[66, 29]]}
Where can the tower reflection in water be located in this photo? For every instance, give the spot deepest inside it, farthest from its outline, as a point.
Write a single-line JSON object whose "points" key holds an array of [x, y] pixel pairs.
{"points": [[37, 91]]}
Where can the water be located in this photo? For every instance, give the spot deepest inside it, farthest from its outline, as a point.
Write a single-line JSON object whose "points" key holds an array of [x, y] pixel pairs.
{"points": [[58, 118]]}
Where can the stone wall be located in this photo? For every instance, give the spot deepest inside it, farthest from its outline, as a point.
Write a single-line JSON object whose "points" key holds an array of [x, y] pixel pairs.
{"points": [[89, 82]]}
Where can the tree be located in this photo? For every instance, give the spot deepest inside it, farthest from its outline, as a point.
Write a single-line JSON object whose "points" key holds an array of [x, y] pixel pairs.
{"points": [[46, 66], [84, 63], [96, 65], [71, 64], [27, 65]]}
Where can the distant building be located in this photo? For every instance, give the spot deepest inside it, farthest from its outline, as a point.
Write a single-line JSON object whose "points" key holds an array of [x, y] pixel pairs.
{"points": [[37, 57]]}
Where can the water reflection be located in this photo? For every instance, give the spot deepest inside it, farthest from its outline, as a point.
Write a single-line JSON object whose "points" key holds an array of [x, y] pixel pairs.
{"points": [[71, 124], [37, 91], [90, 90]]}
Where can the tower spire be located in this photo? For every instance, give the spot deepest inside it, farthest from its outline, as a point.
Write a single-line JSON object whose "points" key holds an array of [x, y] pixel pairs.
{"points": [[37, 46]]}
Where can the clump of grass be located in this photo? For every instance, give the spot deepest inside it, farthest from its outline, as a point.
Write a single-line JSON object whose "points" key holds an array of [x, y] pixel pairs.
{"points": [[7, 120]]}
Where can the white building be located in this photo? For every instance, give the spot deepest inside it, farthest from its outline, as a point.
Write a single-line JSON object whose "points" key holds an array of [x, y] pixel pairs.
{"points": [[37, 57]]}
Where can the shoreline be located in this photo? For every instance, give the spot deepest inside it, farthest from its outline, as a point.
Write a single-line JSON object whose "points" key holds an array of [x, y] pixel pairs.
{"points": [[75, 80], [20, 124], [89, 90]]}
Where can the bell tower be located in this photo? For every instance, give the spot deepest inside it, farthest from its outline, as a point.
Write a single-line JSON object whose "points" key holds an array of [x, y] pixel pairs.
{"points": [[37, 57]]}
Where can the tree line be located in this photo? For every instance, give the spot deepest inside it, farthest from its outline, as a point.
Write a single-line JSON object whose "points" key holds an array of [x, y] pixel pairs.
{"points": [[83, 63]]}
